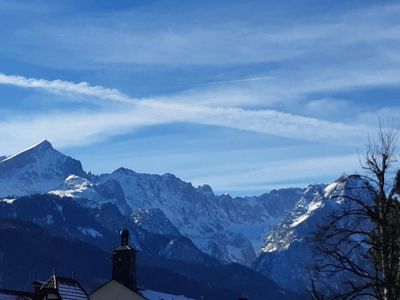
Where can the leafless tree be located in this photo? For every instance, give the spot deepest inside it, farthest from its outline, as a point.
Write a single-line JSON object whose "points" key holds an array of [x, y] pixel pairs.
{"points": [[358, 250]]}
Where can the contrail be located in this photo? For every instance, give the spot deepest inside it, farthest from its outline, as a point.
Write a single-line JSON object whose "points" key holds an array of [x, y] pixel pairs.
{"points": [[238, 80]]}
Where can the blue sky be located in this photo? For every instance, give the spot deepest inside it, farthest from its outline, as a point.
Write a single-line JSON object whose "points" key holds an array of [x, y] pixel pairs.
{"points": [[246, 96]]}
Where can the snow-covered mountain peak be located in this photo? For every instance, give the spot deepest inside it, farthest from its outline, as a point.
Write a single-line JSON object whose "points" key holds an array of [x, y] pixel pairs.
{"points": [[43, 155], [288, 251], [33, 151], [352, 185], [37, 169], [41, 146], [316, 202]]}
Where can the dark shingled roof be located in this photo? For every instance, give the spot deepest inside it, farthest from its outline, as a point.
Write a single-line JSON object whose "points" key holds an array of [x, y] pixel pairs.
{"points": [[67, 288], [15, 295]]}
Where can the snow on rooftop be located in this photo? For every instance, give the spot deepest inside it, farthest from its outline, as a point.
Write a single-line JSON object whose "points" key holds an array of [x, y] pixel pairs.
{"points": [[71, 292]]}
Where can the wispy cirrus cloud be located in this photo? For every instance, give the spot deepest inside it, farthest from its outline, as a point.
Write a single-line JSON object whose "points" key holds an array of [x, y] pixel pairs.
{"points": [[82, 88], [325, 54], [121, 38], [89, 127]]}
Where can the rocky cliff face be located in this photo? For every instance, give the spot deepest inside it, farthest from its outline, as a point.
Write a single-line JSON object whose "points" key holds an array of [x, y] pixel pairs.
{"points": [[231, 229]]}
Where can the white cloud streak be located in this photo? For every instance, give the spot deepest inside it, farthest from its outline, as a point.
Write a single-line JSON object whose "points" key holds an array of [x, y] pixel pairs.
{"points": [[237, 80], [82, 88], [75, 128]]}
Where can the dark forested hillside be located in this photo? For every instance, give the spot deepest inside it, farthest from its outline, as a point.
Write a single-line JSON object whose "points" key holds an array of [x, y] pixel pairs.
{"points": [[29, 252]]}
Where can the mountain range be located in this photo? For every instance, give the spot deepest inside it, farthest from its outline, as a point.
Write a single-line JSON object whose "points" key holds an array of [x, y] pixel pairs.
{"points": [[170, 219]]}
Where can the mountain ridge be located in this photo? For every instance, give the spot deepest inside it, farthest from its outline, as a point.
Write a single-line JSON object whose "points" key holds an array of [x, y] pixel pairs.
{"points": [[170, 217], [230, 229]]}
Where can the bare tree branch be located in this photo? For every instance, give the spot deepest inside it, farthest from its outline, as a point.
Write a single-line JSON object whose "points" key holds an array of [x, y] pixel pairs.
{"points": [[358, 250]]}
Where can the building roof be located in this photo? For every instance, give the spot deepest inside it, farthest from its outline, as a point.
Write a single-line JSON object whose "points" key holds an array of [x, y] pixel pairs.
{"points": [[15, 295], [117, 291], [67, 288]]}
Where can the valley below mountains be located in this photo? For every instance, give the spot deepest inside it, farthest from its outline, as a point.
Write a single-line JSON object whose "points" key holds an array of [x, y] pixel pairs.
{"points": [[206, 244]]}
